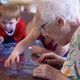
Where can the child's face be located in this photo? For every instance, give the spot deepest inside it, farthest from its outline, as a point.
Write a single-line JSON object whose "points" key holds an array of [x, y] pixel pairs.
{"points": [[8, 25]]}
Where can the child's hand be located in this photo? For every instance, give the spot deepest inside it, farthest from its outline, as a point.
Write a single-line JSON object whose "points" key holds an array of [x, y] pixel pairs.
{"points": [[1, 39], [11, 59]]}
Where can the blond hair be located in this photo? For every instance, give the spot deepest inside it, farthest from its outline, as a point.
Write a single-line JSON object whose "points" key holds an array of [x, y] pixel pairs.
{"points": [[9, 11]]}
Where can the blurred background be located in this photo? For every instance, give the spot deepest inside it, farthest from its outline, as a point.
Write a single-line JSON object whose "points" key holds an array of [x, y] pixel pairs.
{"points": [[28, 10]]}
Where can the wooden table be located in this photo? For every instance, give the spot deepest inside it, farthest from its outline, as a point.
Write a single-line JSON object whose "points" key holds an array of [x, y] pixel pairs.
{"points": [[4, 76], [3, 71]]}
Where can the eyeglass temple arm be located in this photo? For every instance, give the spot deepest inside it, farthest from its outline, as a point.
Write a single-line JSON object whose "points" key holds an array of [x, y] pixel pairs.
{"points": [[44, 25]]}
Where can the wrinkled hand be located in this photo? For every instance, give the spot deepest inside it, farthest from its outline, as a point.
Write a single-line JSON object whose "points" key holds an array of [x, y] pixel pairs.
{"points": [[45, 71], [11, 60], [51, 59], [1, 39]]}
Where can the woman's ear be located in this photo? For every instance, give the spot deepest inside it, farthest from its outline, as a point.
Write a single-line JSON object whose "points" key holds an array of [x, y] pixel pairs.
{"points": [[61, 21]]}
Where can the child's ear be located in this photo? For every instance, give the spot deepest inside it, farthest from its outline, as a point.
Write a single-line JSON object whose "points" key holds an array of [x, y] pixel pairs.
{"points": [[61, 21]]}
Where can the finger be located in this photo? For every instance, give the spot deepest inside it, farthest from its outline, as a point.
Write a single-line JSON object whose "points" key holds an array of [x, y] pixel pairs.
{"points": [[51, 62], [13, 60], [41, 59], [7, 63], [17, 59], [40, 74]]}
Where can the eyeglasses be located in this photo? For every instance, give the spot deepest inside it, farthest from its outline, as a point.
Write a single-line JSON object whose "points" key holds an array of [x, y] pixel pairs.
{"points": [[42, 30]]}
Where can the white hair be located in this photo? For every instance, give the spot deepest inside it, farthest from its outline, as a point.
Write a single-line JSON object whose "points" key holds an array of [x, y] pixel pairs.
{"points": [[49, 10]]}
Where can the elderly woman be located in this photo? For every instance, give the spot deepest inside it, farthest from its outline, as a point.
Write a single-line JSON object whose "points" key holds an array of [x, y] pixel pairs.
{"points": [[71, 67]]}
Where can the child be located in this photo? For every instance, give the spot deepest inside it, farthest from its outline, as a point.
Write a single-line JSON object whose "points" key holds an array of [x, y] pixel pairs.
{"points": [[12, 27], [56, 23]]}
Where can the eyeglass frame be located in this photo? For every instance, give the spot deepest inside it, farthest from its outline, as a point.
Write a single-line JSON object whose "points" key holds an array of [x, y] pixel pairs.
{"points": [[42, 28]]}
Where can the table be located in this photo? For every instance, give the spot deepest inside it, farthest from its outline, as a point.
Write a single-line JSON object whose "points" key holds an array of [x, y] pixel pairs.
{"points": [[24, 72], [3, 76]]}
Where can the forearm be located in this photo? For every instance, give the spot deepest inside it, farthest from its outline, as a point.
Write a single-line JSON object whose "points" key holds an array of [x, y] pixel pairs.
{"points": [[21, 46], [25, 43], [18, 49], [43, 50]]}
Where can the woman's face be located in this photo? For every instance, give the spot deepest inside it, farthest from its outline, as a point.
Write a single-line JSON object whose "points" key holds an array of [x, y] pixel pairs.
{"points": [[53, 31]]}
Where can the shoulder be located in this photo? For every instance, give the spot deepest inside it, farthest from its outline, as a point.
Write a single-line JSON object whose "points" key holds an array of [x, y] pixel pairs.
{"points": [[21, 22], [73, 39]]}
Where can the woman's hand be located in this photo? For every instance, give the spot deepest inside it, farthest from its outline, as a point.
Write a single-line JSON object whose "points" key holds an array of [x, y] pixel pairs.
{"points": [[47, 72], [51, 58], [43, 71]]}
